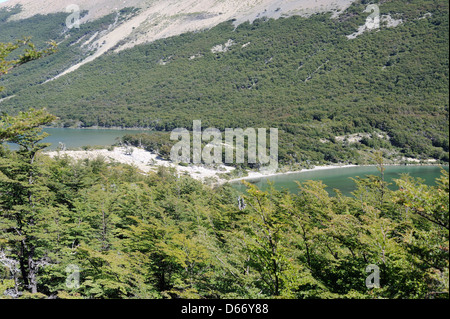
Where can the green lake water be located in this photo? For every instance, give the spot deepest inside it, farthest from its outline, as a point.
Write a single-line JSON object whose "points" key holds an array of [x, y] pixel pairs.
{"points": [[340, 178], [337, 178], [76, 138]]}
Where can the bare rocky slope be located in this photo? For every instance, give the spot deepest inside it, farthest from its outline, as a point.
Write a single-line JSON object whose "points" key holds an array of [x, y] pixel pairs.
{"points": [[164, 18], [374, 75]]}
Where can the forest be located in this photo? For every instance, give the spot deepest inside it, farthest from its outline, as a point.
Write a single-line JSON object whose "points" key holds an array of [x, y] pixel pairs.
{"points": [[301, 75], [90, 229], [159, 236]]}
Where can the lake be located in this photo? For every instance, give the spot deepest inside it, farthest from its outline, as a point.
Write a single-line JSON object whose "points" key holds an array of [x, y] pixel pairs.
{"points": [[76, 138], [339, 178]]}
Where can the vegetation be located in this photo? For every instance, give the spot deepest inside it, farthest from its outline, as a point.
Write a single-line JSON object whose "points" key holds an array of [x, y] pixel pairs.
{"points": [[301, 75], [88, 229], [161, 236]]}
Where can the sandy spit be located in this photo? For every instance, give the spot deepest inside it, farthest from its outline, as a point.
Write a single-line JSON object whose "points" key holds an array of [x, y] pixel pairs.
{"points": [[256, 175], [149, 162], [146, 162]]}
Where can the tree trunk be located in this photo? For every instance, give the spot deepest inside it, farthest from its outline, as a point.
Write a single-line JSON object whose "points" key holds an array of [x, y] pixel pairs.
{"points": [[32, 276], [32, 272], [23, 264]]}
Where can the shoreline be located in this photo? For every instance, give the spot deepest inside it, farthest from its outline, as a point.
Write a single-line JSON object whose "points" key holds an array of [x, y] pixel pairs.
{"points": [[150, 162], [99, 128], [256, 175], [145, 161]]}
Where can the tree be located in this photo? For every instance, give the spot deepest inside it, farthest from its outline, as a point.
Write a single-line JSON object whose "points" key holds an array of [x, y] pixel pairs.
{"points": [[30, 54], [426, 209], [23, 196], [24, 199]]}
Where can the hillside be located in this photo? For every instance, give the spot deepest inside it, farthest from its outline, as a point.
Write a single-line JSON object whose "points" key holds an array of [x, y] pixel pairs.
{"points": [[368, 84], [304, 75], [152, 20]]}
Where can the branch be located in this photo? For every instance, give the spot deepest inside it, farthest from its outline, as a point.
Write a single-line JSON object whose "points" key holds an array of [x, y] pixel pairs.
{"points": [[9, 262], [437, 222]]}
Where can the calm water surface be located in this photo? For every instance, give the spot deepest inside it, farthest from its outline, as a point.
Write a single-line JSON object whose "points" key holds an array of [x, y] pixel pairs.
{"points": [[340, 178], [76, 138]]}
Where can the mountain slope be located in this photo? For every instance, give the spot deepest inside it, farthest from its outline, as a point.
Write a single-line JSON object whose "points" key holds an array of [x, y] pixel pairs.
{"points": [[303, 75], [161, 19]]}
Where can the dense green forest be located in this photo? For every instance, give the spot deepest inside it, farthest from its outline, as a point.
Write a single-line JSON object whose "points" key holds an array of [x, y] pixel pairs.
{"points": [[96, 230], [132, 235], [89, 229], [300, 75]]}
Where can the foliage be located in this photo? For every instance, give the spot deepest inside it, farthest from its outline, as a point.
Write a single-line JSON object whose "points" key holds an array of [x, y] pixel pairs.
{"points": [[29, 55], [301, 75], [159, 235]]}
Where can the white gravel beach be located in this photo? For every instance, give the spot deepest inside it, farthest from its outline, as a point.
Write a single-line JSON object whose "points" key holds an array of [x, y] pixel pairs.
{"points": [[147, 162], [255, 175]]}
